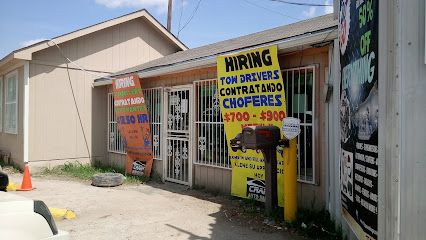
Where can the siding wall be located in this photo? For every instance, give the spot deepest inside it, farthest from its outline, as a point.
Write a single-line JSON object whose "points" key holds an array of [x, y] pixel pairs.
{"points": [[219, 180], [13, 143], [56, 135], [314, 195], [412, 100], [210, 178]]}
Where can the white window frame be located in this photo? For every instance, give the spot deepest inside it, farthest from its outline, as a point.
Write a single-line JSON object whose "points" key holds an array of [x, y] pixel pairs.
{"points": [[1, 103], [6, 103], [302, 175]]}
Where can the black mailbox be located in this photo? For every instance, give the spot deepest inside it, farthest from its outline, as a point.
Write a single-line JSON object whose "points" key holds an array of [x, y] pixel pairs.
{"points": [[263, 139], [260, 137]]}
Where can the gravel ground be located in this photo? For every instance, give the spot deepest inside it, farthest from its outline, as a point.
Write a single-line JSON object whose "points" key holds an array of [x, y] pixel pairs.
{"points": [[147, 211]]}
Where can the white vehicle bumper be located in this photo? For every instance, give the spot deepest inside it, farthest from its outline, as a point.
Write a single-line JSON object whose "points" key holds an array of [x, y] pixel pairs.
{"points": [[62, 235]]}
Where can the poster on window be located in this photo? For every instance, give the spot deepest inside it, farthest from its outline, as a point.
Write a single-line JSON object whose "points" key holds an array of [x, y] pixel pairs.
{"points": [[359, 113], [251, 93], [133, 124]]}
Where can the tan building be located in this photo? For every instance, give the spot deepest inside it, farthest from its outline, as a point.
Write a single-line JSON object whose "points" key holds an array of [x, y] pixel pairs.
{"points": [[305, 53], [46, 101]]}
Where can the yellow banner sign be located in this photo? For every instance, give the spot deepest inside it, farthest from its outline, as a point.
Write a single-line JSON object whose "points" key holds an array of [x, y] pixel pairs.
{"points": [[251, 93]]}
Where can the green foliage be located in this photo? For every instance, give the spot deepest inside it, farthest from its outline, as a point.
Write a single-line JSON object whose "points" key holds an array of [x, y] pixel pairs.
{"points": [[86, 171], [317, 225], [10, 168], [251, 206]]}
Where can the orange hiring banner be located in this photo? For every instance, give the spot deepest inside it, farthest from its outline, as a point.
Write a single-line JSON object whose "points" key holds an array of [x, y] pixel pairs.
{"points": [[133, 124]]}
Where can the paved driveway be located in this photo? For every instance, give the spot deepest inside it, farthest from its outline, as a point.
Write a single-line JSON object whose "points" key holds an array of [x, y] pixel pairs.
{"points": [[141, 212]]}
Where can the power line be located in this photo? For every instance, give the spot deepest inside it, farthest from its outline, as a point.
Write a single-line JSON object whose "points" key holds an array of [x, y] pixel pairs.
{"points": [[74, 63], [78, 112], [180, 17], [302, 3], [191, 17], [270, 10], [72, 90]]}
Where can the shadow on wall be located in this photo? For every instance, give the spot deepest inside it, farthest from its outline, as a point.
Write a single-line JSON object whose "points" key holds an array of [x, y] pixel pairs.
{"points": [[99, 126]]}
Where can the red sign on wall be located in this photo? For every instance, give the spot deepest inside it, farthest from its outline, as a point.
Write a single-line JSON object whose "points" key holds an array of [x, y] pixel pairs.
{"points": [[133, 124]]}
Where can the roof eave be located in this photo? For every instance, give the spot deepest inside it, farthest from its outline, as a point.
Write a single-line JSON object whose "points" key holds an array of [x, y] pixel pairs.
{"points": [[324, 35], [6, 59], [25, 53]]}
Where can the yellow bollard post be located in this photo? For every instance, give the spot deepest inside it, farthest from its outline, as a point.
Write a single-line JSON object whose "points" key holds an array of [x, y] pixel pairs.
{"points": [[290, 182]]}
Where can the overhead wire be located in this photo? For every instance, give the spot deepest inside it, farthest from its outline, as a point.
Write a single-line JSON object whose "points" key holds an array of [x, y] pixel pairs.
{"points": [[180, 17], [72, 89], [78, 112], [191, 17], [302, 3], [270, 10], [74, 63]]}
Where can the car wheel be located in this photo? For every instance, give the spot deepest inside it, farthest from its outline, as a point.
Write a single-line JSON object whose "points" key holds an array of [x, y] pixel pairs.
{"points": [[107, 179]]}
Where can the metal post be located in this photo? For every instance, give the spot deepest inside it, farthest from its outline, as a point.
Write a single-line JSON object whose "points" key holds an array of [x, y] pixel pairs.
{"points": [[169, 16], [271, 196], [290, 182]]}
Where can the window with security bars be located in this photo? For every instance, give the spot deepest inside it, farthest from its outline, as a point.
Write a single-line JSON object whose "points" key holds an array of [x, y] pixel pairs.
{"points": [[115, 143], [153, 100], [299, 85], [211, 147]]}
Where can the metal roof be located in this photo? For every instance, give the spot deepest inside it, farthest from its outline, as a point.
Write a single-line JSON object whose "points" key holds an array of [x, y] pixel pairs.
{"points": [[309, 26]]}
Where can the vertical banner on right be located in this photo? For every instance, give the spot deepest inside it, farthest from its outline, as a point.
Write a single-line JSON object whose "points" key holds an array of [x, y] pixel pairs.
{"points": [[359, 113]]}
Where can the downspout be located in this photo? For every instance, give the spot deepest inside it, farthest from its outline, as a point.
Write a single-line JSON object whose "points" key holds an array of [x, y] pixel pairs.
{"points": [[26, 109]]}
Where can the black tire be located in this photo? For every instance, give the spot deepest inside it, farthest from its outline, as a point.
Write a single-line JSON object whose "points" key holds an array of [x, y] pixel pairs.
{"points": [[107, 179], [4, 181], [243, 149]]}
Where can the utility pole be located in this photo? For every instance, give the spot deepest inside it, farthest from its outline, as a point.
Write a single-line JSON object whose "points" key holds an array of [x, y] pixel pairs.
{"points": [[169, 16]]}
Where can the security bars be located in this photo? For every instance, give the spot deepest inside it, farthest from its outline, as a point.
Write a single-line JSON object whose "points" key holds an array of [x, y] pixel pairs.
{"points": [[210, 140], [115, 145], [299, 84], [211, 147], [154, 102]]}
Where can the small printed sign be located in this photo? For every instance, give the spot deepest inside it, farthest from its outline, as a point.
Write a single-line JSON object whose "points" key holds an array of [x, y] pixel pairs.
{"points": [[138, 168], [291, 127]]}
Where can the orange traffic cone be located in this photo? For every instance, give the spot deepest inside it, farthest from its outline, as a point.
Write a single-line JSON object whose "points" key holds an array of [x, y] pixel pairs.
{"points": [[26, 181]]}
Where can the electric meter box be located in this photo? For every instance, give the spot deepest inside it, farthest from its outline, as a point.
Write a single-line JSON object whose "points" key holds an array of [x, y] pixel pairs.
{"points": [[261, 137]]}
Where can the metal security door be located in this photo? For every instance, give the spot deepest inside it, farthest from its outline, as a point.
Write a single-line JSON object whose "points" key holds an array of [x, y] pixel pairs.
{"points": [[178, 164]]}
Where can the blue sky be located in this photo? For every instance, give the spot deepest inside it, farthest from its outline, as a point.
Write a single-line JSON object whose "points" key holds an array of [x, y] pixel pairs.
{"points": [[23, 22]]}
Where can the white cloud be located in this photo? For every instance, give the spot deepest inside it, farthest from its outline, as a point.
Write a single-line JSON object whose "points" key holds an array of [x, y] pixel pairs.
{"points": [[31, 42], [160, 5], [328, 9], [310, 12]]}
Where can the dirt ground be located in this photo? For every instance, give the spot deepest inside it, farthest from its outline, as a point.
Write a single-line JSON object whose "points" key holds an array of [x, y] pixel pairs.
{"points": [[148, 211]]}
